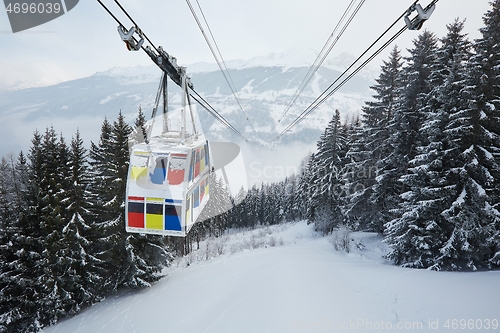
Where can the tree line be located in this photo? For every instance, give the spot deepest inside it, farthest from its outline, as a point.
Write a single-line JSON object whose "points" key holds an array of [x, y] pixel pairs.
{"points": [[421, 164], [63, 245]]}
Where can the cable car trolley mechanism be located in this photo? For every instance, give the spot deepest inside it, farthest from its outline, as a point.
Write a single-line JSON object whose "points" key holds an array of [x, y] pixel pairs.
{"points": [[422, 15]]}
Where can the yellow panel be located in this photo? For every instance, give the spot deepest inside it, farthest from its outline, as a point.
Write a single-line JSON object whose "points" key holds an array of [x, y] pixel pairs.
{"points": [[154, 221], [155, 199], [202, 165], [138, 172]]}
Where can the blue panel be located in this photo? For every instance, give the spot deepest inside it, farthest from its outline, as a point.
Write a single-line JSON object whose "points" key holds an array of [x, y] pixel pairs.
{"points": [[172, 223], [196, 195], [172, 220], [191, 167], [175, 201], [160, 173], [207, 158]]}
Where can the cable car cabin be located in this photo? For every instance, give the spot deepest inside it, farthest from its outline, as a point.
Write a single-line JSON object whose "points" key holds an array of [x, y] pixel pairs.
{"points": [[167, 187]]}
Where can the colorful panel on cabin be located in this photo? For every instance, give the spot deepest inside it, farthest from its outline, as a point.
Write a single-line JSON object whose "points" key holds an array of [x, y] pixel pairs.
{"points": [[154, 213], [197, 163], [160, 172], [138, 172], [196, 197], [191, 166], [207, 158], [176, 169], [173, 217], [135, 217], [202, 160]]}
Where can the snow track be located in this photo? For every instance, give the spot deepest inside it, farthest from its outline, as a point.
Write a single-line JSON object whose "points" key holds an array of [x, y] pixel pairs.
{"points": [[301, 286]]}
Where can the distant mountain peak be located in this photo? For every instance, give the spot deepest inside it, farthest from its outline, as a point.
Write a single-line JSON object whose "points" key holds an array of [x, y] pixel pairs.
{"points": [[292, 58]]}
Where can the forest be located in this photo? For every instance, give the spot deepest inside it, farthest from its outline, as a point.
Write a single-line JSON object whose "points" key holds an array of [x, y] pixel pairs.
{"points": [[420, 165]]}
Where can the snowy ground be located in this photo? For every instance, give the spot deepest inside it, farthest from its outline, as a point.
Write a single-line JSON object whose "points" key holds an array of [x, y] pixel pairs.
{"points": [[291, 280]]}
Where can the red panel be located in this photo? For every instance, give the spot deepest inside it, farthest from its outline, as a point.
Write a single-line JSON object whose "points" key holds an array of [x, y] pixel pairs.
{"points": [[197, 170], [175, 177], [136, 198], [136, 220], [197, 165]]}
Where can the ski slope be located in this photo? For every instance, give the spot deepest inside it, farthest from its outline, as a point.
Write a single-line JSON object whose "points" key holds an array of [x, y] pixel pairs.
{"points": [[294, 281]]}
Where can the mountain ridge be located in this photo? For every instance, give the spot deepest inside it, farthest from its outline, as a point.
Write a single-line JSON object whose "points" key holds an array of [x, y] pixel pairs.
{"points": [[264, 92]]}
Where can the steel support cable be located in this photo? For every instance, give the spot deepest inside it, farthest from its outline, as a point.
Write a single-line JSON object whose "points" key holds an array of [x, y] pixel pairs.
{"points": [[315, 104], [316, 65], [298, 119], [225, 73], [399, 33], [235, 93], [209, 108]]}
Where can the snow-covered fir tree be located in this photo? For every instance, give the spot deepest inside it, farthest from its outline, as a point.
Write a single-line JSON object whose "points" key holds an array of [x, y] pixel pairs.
{"points": [[406, 136], [327, 181], [11, 311], [484, 94], [476, 130], [376, 199], [422, 228], [126, 260], [76, 253]]}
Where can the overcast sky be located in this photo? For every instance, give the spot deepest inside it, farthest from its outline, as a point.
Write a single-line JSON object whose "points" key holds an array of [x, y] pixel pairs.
{"points": [[85, 40]]}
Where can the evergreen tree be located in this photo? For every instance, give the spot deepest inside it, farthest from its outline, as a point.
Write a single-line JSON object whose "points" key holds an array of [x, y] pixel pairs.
{"points": [[146, 257], [330, 161], [406, 136], [101, 158], [126, 260], [370, 207], [76, 255], [139, 133], [476, 129], [252, 206], [484, 94], [292, 197], [358, 176], [8, 224], [109, 160], [21, 290], [308, 185], [418, 236], [104, 208], [52, 197]]}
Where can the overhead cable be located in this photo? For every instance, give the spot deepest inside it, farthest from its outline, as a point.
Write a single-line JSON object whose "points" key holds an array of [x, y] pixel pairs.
{"points": [[220, 62], [322, 54], [198, 98], [327, 93]]}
